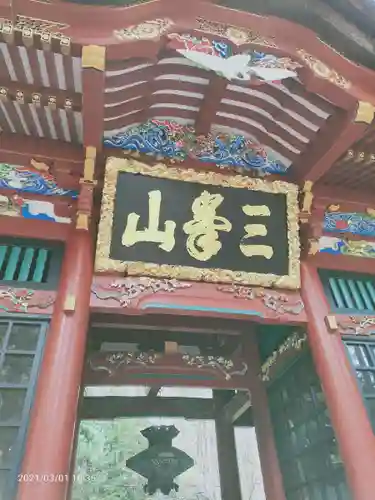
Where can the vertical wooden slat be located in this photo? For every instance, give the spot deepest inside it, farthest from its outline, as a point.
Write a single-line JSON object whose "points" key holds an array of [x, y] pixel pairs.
{"points": [[3, 251], [12, 264], [371, 291], [336, 293], [26, 264], [345, 293], [365, 295], [355, 294], [41, 261]]}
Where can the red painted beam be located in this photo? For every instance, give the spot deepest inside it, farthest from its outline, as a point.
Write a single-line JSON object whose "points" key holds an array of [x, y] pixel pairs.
{"points": [[93, 85], [24, 228], [19, 151], [342, 263], [332, 141], [211, 103], [349, 201], [6, 9]]}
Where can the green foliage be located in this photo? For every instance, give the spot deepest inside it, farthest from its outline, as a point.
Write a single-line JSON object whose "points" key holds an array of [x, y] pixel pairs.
{"points": [[103, 449], [101, 472]]}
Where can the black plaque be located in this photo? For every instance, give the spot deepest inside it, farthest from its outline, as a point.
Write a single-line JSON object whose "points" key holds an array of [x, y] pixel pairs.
{"points": [[246, 231]]}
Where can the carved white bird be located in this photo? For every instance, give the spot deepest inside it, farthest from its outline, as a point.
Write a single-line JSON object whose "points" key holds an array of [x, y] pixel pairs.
{"points": [[236, 67]]}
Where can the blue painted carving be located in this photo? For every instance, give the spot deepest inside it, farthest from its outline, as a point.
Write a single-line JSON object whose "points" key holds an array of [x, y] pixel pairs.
{"points": [[355, 223], [31, 180], [172, 140]]}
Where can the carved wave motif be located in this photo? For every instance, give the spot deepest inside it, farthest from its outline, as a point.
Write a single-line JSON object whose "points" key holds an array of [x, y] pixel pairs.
{"points": [[29, 180], [355, 223], [171, 140]]}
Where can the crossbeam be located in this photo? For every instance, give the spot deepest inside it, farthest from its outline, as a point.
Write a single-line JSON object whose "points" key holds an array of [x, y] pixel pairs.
{"points": [[110, 407], [18, 151]]}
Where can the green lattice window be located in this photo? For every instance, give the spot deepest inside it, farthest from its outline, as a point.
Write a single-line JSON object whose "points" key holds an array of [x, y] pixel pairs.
{"points": [[21, 344], [29, 263], [362, 356], [309, 459], [349, 292]]}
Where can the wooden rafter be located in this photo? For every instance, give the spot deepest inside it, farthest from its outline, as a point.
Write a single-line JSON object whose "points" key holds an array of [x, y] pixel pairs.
{"points": [[332, 141], [40, 96], [207, 111], [32, 32]]}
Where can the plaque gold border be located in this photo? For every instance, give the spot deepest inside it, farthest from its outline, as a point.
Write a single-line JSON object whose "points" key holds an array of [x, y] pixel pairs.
{"points": [[103, 262]]}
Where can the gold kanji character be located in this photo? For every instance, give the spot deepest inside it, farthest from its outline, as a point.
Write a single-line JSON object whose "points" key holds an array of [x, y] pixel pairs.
{"points": [[202, 242], [252, 230], [152, 233]]}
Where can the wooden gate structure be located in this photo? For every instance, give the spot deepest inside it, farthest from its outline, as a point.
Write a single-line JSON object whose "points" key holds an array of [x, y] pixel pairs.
{"points": [[199, 182]]}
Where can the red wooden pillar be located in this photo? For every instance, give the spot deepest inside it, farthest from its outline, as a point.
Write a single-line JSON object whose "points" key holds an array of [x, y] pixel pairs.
{"points": [[350, 421], [269, 461], [51, 432]]}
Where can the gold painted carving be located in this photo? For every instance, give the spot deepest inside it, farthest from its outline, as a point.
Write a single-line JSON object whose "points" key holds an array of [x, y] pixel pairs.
{"points": [[365, 112], [357, 325], [93, 56], [147, 30], [321, 70], [238, 36], [333, 208], [104, 263], [308, 197]]}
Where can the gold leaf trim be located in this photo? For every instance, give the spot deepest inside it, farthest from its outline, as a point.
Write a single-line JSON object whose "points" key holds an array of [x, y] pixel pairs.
{"points": [[104, 263], [365, 112]]}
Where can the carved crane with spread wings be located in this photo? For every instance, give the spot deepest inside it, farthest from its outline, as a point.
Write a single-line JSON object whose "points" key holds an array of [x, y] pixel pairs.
{"points": [[238, 67]]}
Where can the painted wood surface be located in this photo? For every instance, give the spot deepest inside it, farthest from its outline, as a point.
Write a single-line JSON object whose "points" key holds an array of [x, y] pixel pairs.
{"points": [[28, 301], [153, 296], [112, 368]]}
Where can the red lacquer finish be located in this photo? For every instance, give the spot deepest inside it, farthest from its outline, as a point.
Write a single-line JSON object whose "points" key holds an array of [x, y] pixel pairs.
{"points": [[272, 478], [129, 295], [51, 432], [354, 434]]}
